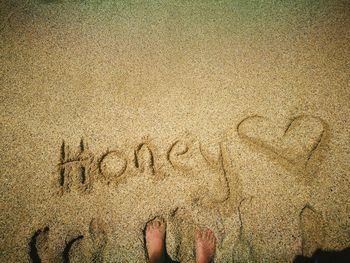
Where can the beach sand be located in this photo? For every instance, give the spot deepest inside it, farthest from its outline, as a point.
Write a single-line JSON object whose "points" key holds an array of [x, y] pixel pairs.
{"points": [[222, 114]]}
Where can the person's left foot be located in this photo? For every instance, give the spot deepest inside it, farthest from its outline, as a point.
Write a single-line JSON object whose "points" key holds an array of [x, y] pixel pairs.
{"points": [[155, 240]]}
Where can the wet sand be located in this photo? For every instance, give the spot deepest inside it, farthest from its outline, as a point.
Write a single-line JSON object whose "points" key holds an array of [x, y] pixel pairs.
{"points": [[229, 115]]}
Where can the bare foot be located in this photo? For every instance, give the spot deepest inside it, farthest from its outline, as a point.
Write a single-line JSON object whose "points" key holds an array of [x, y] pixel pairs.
{"points": [[205, 245], [155, 240]]}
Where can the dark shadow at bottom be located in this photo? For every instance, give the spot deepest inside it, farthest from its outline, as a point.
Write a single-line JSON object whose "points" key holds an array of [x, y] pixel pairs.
{"points": [[324, 256], [169, 260]]}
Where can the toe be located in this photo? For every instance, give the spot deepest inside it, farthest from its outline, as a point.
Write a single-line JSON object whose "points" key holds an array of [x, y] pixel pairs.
{"points": [[148, 226], [198, 234], [213, 238], [152, 226], [213, 235], [207, 233], [156, 224], [203, 234], [162, 226]]}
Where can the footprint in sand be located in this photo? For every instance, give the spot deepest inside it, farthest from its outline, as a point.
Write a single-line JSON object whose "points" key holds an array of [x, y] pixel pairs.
{"points": [[39, 246], [297, 144], [312, 230], [180, 236], [39, 249], [99, 239], [74, 250]]}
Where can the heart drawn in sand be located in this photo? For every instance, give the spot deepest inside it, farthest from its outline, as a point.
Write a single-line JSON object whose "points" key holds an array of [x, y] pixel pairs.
{"points": [[295, 144]]}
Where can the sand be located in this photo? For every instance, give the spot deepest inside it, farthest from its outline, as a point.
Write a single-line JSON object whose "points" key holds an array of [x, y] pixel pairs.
{"points": [[225, 114]]}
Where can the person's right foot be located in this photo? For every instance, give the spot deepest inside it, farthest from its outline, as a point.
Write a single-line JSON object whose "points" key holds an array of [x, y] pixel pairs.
{"points": [[205, 245]]}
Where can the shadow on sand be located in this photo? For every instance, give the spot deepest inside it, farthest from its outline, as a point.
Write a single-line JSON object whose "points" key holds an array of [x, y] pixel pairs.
{"points": [[324, 256]]}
